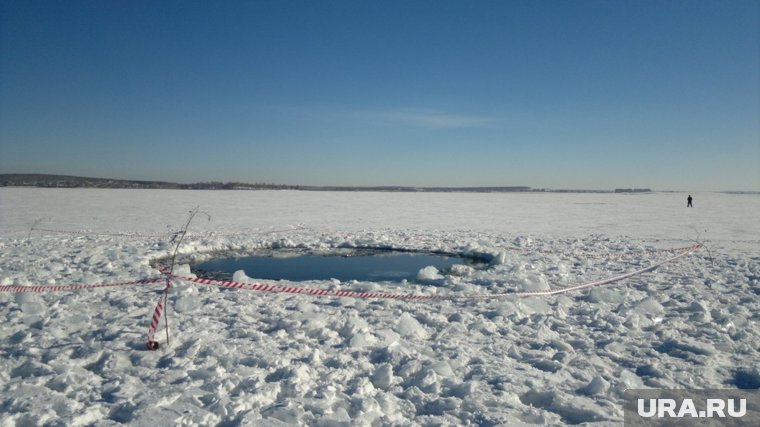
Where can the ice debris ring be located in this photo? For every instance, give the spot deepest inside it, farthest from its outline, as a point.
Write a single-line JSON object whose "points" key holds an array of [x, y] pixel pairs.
{"points": [[383, 295], [152, 344]]}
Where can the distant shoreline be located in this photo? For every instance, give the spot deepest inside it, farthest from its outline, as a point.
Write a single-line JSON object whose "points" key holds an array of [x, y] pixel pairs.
{"points": [[67, 181]]}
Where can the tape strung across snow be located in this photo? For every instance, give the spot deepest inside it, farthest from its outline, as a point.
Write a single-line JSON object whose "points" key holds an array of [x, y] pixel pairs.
{"points": [[154, 235], [93, 233], [609, 255], [350, 294], [652, 267], [62, 288], [640, 253], [158, 311], [354, 294]]}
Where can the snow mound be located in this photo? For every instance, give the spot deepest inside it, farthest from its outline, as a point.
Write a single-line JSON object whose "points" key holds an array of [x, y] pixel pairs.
{"points": [[606, 295], [429, 274], [461, 270], [408, 326], [648, 306], [240, 276], [533, 282]]}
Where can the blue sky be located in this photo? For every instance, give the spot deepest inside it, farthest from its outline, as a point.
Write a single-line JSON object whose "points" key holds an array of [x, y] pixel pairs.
{"points": [[555, 94]]}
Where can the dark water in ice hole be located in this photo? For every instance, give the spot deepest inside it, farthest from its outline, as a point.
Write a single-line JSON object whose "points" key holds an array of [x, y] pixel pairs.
{"points": [[376, 267]]}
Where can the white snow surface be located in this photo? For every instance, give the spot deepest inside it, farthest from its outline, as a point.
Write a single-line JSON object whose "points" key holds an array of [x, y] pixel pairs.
{"points": [[238, 357]]}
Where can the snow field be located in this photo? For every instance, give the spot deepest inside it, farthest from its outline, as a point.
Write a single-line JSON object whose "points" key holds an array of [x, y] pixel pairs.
{"points": [[244, 358]]}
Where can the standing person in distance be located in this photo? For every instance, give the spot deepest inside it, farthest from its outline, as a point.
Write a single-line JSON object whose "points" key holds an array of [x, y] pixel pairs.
{"points": [[688, 202]]}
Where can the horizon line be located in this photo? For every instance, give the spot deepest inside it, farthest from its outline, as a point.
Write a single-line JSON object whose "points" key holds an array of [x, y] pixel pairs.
{"points": [[308, 187]]}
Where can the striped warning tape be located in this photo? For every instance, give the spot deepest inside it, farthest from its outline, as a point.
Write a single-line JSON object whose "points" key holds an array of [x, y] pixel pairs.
{"points": [[94, 233], [155, 319], [618, 278], [609, 254], [168, 274], [161, 235], [152, 344], [75, 287], [639, 253]]}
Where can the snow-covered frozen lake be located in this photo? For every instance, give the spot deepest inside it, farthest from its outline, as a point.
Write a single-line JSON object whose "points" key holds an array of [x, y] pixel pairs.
{"points": [[238, 357]]}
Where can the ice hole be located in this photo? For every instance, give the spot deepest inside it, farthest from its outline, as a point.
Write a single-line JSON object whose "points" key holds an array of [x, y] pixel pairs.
{"points": [[344, 265]]}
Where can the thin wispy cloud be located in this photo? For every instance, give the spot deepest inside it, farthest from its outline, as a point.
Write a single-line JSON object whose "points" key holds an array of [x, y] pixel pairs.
{"points": [[415, 117], [428, 118]]}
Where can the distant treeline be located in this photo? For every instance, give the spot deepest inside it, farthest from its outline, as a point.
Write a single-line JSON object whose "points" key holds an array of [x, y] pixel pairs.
{"points": [[632, 190], [65, 181], [419, 189]]}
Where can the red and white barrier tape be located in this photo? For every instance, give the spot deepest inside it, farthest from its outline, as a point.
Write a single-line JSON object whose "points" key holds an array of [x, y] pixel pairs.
{"points": [[93, 233], [152, 344], [652, 267], [355, 294], [639, 253], [75, 287], [610, 254], [157, 312], [160, 235], [256, 233]]}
